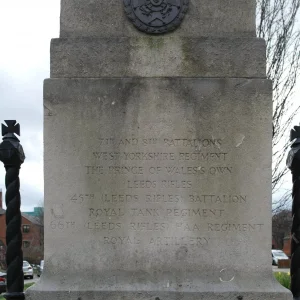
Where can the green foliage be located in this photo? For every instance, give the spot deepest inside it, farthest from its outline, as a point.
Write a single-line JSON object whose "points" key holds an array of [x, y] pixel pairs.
{"points": [[283, 278], [28, 285]]}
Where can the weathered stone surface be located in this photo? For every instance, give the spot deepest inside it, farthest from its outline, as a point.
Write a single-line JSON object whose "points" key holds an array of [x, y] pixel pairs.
{"points": [[158, 57], [103, 18], [157, 188], [277, 293], [158, 181]]}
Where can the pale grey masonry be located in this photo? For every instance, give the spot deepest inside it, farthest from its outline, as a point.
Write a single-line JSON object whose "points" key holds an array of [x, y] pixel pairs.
{"points": [[158, 158], [205, 18], [158, 57]]}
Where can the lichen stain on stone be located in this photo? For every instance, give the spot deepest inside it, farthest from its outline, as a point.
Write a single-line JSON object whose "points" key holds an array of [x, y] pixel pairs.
{"points": [[190, 64], [154, 42]]}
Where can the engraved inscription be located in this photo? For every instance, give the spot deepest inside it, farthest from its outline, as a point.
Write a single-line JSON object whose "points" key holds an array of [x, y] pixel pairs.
{"points": [[187, 212], [218, 198], [120, 240], [103, 225], [159, 195], [134, 156], [148, 226], [234, 227], [179, 241], [106, 212], [60, 225]]}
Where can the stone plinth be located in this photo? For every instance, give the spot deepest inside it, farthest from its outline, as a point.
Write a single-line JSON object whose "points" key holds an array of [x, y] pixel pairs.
{"points": [[158, 187]]}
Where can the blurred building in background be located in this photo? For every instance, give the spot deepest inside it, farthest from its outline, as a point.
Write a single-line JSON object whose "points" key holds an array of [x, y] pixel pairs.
{"points": [[33, 235]]}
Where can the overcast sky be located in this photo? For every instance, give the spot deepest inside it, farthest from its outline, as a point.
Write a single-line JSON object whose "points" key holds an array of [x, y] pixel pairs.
{"points": [[26, 29]]}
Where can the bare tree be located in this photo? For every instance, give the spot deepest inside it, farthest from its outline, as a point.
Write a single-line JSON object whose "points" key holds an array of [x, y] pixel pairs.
{"points": [[281, 227], [277, 23]]}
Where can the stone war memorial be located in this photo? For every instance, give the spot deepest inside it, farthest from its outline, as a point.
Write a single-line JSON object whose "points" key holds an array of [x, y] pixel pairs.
{"points": [[158, 127]]}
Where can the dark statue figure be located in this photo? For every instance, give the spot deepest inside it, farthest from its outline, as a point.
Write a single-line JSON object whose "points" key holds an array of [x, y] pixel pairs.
{"points": [[12, 155], [293, 162], [156, 16]]}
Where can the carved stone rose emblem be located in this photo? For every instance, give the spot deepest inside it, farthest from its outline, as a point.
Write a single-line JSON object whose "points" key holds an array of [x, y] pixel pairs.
{"points": [[156, 16]]}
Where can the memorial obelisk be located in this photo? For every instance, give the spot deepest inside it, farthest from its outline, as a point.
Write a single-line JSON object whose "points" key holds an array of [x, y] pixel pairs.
{"points": [[158, 128]]}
